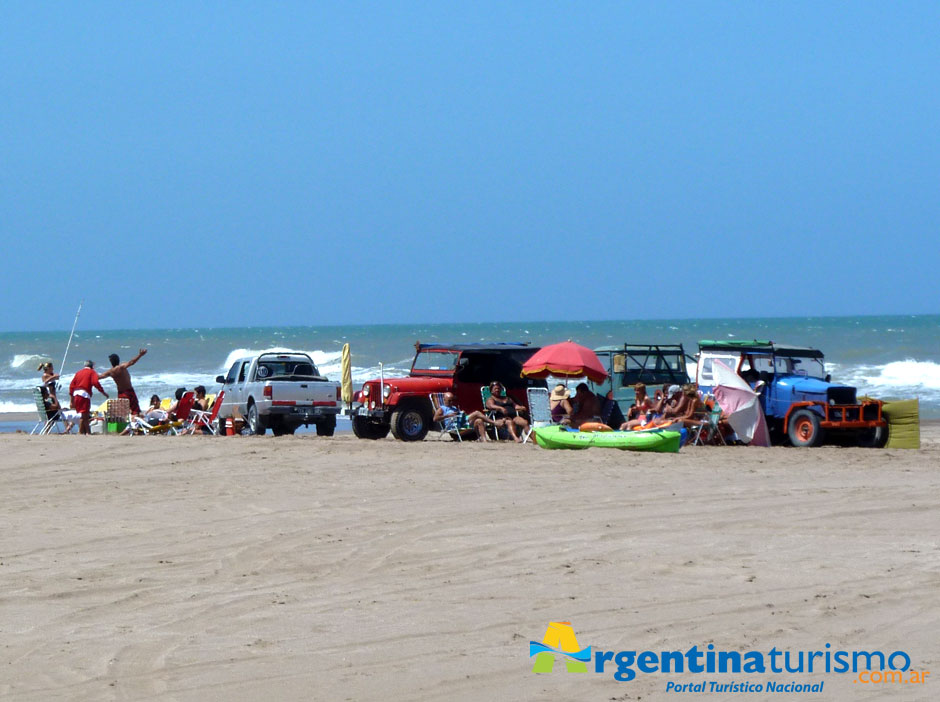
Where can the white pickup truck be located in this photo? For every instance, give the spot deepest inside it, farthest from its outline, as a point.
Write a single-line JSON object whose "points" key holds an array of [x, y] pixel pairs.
{"points": [[280, 390]]}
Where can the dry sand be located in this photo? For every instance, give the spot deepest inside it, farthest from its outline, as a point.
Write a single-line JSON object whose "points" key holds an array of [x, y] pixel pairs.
{"points": [[194, 568]]}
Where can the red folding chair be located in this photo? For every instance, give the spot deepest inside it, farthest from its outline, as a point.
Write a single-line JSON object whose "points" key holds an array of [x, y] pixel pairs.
{"points": [[199, 419]]}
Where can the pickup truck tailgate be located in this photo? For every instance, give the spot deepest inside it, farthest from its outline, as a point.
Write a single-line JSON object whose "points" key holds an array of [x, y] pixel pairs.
{"points": [[310, 393]]}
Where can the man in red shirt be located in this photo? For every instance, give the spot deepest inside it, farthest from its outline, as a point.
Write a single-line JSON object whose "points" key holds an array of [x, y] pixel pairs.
{"points": [[80, 389]]}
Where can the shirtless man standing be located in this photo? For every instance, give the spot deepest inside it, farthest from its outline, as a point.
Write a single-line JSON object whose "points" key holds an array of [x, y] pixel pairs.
{"points": [[122, 378]]}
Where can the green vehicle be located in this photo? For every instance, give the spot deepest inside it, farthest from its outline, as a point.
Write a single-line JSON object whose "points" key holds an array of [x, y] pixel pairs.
{"points": [[654, 365]]}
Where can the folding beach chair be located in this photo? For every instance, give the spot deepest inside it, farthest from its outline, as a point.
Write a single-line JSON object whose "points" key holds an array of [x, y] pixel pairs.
{"points": [[485, 395], [47, 419], [540, 410], [175, 425], [455, 426], [199, 419], [709, 430]]}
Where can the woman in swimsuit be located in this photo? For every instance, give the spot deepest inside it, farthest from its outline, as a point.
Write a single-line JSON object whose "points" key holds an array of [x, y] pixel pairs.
{"points": [[52, 402], [507, 410], [560, 405]]}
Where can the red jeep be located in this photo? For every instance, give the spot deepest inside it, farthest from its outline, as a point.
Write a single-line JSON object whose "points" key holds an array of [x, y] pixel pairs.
{"points": [[402, 404]]}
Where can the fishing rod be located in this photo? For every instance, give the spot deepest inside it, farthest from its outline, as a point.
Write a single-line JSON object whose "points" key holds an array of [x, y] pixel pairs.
{"points": [[62, 367]]}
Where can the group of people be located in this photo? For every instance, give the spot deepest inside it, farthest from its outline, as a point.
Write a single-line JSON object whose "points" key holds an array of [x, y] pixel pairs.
{"points": [[83, 384], [501, 413], [156, 414], [669, 405], [87, 380], [672, 404], [574, 410]]}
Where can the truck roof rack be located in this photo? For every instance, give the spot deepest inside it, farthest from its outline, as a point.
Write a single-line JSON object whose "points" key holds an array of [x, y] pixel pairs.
{"points": [[760, 346]]}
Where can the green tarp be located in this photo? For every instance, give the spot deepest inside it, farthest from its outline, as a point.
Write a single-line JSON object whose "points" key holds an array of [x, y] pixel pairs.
{"points": [[903, 424]]}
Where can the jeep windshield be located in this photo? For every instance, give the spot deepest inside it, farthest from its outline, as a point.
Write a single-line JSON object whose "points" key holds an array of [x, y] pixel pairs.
{"points": [[796, 365], [428, 360], [280, 367]]}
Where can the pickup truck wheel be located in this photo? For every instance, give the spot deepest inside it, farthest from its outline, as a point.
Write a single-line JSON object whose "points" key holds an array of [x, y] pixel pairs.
{"points": [[364, 428], [804, 429], [876, 437], [326, 426], [279, 429], [410, 423], [254, 420]]}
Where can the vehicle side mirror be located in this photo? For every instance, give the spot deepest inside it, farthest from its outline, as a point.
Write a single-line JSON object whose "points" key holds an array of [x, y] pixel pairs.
{"points": [[220, 379], [463, 363], [828, 377]]}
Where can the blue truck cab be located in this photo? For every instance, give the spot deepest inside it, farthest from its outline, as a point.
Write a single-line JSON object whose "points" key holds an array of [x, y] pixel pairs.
{"points": [[799, 399]]}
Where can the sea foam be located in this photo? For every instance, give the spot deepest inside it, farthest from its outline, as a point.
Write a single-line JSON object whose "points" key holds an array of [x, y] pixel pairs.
{"points": [[907, 378]]}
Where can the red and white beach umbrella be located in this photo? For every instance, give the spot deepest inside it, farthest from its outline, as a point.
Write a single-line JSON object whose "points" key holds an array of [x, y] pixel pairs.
{"points": [[565, 360]]}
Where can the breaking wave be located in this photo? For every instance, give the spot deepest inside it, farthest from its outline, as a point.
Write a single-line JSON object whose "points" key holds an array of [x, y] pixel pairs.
{"points": [[27, 361], [907, 378]]}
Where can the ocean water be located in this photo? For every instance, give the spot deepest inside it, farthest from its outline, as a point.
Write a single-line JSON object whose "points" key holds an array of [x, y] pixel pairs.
{"points": [[897, 356]]}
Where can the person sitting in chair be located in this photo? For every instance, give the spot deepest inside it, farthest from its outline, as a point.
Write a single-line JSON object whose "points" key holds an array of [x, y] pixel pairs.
{"points": [[641, 411], [49, 399], [667, 400], [173, 407], [692, 410], [505, 408], [451, 415], [586, 406], [641, 403], [155, 414], [200, 403], [560, 405]]}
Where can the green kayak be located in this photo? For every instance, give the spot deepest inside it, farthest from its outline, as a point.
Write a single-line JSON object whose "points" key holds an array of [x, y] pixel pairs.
{"points": [[558, 437]]}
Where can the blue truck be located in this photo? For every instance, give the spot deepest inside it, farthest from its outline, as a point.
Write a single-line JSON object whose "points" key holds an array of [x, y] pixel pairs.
{"points": [[801, 403]]}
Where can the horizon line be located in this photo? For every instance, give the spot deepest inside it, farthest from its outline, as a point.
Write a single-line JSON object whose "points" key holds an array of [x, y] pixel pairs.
{"points": [[519, 322]]}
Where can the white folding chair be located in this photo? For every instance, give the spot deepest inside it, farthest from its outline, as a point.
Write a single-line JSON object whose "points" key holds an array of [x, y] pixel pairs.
{"points": [[540, 410]]}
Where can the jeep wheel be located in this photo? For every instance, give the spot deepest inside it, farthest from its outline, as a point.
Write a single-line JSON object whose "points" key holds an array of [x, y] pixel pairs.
{"points": [[876, 437], [326, 426], [365, 428], [804, 429], [254, 420], [410, 423]]}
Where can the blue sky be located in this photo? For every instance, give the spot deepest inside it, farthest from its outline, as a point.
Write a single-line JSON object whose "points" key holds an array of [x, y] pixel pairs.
{"points": [[235, 164]]}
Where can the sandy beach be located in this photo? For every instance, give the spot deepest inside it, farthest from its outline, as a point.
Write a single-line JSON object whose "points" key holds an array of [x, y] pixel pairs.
{"points": [[297, 568]]}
